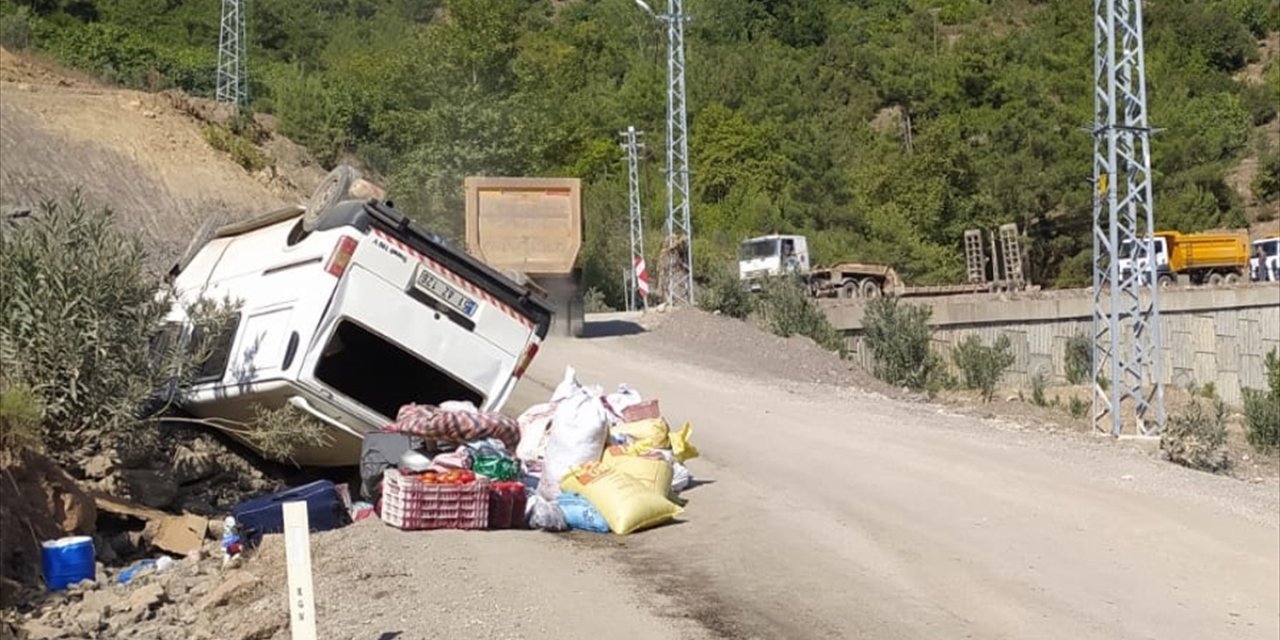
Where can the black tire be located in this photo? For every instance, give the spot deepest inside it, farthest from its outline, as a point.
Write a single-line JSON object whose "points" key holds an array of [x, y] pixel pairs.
{"points": [[332, 190], [869, 289], [202, 236], [849, 289], [1232, 278], [1215, 279], [1165, 280]]}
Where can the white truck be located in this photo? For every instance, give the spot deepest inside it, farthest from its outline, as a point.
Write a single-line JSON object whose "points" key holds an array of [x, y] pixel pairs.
{"points": [[1264, 263], [348, 311], [777, 255]]}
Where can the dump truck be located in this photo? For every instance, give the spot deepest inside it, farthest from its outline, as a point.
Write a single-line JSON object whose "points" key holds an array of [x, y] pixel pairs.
{"points": [[777, 255], [531, 230], [1200, 258]]}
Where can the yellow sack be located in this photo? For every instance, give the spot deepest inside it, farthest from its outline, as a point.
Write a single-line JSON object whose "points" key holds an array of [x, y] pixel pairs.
{"points": [[653, 471], [652, 431], [680, 445], [626, 504]]}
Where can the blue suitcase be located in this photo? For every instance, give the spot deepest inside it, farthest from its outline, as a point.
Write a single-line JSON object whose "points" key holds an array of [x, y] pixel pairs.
{"points": [[265, 514]]}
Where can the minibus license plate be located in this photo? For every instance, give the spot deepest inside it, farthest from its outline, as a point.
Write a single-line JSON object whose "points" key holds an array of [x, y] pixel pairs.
{"points": [[431, 284]]}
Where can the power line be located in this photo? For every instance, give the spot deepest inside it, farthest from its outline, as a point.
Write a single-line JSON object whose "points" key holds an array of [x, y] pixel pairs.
{"points": [[1126, 310]]}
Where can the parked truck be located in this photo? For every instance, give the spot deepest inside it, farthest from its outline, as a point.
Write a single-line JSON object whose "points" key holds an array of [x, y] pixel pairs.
{"points": [[1201, 258], [1264, 266], [777, 255], [531, 230]]}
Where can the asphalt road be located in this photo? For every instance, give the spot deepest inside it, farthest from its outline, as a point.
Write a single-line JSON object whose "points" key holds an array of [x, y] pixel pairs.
{"points": [[829, 513]]}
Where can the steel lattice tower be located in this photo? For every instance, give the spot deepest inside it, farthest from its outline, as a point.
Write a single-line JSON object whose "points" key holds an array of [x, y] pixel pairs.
{"points": [[679, 226], [632, 147], [1126, 311], [233, 77]]}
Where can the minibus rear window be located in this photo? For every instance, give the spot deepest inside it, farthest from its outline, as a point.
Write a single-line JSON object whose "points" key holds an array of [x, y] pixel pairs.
{"points": [[380, 375]]}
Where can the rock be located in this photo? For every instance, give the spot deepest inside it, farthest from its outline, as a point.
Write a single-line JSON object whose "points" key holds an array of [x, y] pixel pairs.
{"points": [[215, 528], [98, 603], [260, 628], [190, 465], [155, 489], [89, 621], [98, 467], [125, 544], [144, 599], [38, 631], [234, 585]]}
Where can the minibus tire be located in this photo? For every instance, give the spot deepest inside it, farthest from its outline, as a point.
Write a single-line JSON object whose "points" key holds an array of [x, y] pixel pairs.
{"points": [[332, 190]]}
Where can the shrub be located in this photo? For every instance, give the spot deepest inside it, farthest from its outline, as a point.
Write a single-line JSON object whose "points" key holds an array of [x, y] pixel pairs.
{"points": [[243, 151], [277, 432], [77, 314], [1197, 437], [1266, 184], [20, 416], [1037, 390], [725, 294], [1262, 408], [788, 311], [898, 336], [982, 366], [1079, 359], [1077, 408], [15, 29], [593, 301]]}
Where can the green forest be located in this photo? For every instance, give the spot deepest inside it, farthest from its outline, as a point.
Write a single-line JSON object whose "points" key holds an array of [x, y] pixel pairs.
{"points": [[881, 128]]}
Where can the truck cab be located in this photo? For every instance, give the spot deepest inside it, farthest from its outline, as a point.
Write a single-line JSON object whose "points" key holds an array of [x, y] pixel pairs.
{"points": [[1134, 256], [770, 256], [1264, 262]]}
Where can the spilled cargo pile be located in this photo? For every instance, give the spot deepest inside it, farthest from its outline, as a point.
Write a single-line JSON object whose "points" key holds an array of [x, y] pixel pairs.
{"points": [[582, 460]]}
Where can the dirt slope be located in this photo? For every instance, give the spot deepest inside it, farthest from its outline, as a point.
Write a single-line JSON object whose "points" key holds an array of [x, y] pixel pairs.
{"points": [[135, 152]]}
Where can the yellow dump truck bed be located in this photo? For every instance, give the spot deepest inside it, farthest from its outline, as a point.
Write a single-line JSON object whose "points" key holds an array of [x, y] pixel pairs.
{"points": [[530, 225], [1206, 250]]}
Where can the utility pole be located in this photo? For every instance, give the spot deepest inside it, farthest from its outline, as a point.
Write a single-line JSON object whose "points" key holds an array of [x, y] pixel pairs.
{"points": [[233, 76], [639, 280], [678, 248], [1126, 310]]}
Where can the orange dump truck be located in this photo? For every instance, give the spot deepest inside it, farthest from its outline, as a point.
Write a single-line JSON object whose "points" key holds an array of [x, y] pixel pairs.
{"points": [[531, 229], [1204, 258]]}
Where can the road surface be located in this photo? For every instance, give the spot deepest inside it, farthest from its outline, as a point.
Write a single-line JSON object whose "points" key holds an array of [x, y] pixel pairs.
{"points": [[830, 513]]}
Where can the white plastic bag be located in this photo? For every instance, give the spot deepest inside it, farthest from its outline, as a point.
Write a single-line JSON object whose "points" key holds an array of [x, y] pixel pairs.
{"points": [[567, 387], [578, 433], [680, 477], [541, 514], [535, 429], [618, 402], [459, 406]]}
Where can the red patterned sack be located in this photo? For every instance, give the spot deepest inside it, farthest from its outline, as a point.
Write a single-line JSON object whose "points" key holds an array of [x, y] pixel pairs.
{"points": [[456, 427]]}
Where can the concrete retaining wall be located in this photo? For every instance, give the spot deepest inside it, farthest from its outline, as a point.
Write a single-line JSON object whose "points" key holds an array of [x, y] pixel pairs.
{"points": [[1217, 335]]}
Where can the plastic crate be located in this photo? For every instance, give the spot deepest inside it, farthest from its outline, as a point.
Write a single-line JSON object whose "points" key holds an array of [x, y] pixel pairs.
{"points": [[409, 504]]}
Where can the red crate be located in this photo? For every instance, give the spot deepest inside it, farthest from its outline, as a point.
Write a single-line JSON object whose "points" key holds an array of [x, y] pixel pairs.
{"points": [[409, 504]]}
